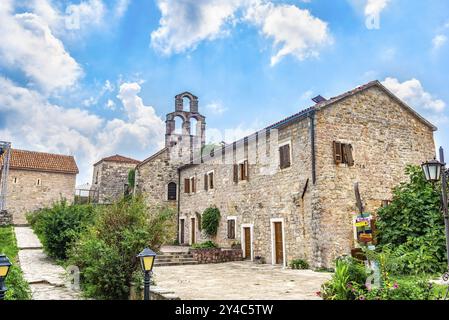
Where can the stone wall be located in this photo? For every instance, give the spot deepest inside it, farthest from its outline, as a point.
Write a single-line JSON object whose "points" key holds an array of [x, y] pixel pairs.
{"points": [[385, 138], [5, 218], [216, 255], [270, 193], [153, 176], [109, 179], [24, 193]]}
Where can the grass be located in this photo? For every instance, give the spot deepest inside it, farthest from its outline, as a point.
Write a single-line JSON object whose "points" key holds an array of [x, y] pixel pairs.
{"points": [[18, 288]]}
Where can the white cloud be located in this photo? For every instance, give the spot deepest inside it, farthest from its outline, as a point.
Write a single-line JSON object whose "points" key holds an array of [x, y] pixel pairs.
{"points": [[438, 41], [29, 45], [185, 23], [216, 108], [110, 104], [375, 7], [294, 31], [413, 93], [42, 126]]}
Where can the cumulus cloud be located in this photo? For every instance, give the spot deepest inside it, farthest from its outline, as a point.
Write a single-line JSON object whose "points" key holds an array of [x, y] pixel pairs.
{"points": [[375, 7], [42, 126], [28, 45], [413, 93], [294, 31], [186, 23]]}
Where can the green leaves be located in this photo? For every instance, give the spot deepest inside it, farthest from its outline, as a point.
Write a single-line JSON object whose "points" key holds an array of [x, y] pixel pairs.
{"points": [[210, 221]]}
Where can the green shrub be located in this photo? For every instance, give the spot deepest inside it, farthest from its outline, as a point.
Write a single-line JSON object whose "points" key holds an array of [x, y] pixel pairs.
{"points": [[205, 245], [413, 224], [59, 226], [299, 264], [106, 253], [18, 288], [210, 221], [337, 288]]}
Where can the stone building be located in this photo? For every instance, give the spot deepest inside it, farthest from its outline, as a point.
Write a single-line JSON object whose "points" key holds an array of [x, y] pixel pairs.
{"points": [[37, 180], [110, 178], [286, 192]]}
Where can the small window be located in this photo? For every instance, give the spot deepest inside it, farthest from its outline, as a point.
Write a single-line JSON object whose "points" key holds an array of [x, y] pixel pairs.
{"points": [[15, 180], [284, 156], [343, 153], [171, 191], [38, 182], [231, 229], [192, 185], [186, 185], [242, 171], [211, 180]]}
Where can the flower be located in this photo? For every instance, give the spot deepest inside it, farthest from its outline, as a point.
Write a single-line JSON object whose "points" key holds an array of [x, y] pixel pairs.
{"points": [[318, 293], [395, 286], [362, 298]]}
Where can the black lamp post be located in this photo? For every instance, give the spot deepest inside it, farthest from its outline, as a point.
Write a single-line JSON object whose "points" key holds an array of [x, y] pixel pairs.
{"points": [[435, 171], [147, 257], [5, 265]]}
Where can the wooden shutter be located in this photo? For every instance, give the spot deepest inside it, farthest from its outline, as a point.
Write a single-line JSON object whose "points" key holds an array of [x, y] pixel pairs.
{"points": [[348, 155], [206, 184], [187, 185], [281, 157], [284, 153], [211, 177], [338, 157], [246, 167], [193, 185], [236, 173]]}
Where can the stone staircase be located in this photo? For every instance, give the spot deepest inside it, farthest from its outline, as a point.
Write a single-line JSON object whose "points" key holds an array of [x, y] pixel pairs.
{"points": [[174, 259]]}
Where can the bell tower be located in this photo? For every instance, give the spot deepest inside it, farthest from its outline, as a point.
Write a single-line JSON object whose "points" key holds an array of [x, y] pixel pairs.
{"points": [[185, 128]]}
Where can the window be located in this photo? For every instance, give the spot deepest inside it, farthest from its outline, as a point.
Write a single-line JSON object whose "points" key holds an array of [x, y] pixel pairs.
{"points": [[171, 191], [96, 178], [209, 181], [231, 228], [240, 171], [38, 182], [343, 153], [284, 156], [187, 185], [14, 180], [192, 185]]}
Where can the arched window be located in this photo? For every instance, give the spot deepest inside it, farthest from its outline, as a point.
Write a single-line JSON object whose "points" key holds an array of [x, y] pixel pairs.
{"points": [[186, 103], [193, 127], [178, 125], [171, 191]]}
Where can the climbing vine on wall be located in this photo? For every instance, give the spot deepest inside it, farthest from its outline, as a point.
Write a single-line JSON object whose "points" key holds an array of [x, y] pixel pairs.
{"points": [[210, 221]]}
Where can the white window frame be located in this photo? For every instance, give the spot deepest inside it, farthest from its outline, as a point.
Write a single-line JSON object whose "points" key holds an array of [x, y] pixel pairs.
{"points": [[273, 245], [208, 180], [235, 227], [281, 144], [242, 237]]}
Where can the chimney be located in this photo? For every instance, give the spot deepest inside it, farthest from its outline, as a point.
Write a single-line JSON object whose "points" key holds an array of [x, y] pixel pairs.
{"points": [[318, 99]]}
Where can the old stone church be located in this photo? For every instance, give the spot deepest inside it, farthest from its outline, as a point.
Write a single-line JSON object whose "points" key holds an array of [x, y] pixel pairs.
{"points": [[286, 192]]}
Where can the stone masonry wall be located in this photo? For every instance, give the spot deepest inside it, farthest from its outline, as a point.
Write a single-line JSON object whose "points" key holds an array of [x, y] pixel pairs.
{"points": [[112, 177], [5, 218], [153, 177], [385, 139], [216, 255], [25, 195], [263, 197]]}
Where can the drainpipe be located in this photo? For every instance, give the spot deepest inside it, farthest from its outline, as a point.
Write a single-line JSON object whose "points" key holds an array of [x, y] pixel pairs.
{"points": [[312, 142], [179, 202]]}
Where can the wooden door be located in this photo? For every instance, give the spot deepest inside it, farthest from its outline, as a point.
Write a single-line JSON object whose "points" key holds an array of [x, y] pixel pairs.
{"points": [[193, 238], [279, 246], [182, 240], [247, 243]]}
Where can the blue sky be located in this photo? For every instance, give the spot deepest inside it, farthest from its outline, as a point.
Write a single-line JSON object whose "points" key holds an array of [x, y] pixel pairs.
{"points": [[94, 78]]}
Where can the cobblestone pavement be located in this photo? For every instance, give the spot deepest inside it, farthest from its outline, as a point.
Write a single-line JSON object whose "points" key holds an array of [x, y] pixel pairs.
{"points": [[240, 280], [46, 278]]}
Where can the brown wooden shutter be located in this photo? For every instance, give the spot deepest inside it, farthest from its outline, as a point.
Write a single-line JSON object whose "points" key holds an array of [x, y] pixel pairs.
{"points": [[236, 173], [348, 155], [193, 185], [211, 177], [206, 184], [187, 185], [338, 157], [281, 157], [287, 155]]}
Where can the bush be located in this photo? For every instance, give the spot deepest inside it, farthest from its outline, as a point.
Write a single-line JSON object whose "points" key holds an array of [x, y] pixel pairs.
{"points": [[299, 264], [18, 288], [413, 224], [205, 245], [59, 226], [210, 221], [106, 253]]}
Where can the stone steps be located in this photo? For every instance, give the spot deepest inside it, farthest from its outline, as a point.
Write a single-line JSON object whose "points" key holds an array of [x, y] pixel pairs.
{"points": [[174, 259]]}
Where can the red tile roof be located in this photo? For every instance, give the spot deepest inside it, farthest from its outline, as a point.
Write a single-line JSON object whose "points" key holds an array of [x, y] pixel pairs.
{"points": [[119, 158], [40, 161]]}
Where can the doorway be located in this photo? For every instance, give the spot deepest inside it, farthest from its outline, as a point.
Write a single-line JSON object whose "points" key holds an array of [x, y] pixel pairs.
{"points": [[277, 241], [193, 231], [182, 231], [247, 241]]}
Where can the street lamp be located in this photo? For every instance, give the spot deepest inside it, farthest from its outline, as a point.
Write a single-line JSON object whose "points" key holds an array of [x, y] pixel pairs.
{"points": [[147, 257], [5, 264], [435, 171]]}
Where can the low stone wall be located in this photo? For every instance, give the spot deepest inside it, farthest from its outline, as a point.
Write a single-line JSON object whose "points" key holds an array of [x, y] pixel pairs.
{"points": [[216, 255], [5, 218]]}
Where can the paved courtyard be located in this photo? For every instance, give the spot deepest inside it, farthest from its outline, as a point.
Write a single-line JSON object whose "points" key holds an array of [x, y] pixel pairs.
{"points": [[239, 280]]}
